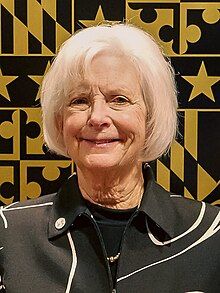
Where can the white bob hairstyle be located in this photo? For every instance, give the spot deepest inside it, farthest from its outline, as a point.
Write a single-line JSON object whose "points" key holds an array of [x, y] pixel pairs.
{"points": [[156, 81]]}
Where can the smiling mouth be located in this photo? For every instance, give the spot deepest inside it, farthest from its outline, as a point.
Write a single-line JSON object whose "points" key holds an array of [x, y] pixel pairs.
{"points": [[100, 141]]}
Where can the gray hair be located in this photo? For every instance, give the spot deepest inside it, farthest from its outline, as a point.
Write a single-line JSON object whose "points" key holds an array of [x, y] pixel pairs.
{"points": [[156, 73]]}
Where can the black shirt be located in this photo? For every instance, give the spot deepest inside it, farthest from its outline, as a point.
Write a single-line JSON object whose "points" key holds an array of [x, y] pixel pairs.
{"points": [[112, 223]]}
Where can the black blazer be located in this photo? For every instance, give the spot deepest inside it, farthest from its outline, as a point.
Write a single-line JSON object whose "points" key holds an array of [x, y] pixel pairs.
{"points": [[53, 244]]}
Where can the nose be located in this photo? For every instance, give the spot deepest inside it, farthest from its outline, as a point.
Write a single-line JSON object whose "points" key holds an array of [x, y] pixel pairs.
{"points": [[99, 117]]}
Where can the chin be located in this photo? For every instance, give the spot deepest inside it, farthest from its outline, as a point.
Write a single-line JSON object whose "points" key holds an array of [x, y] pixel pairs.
{"points": [[100, 162]]}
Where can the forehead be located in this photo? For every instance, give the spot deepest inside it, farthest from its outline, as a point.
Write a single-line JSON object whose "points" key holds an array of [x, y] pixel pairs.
{"points": [[111, 71]]}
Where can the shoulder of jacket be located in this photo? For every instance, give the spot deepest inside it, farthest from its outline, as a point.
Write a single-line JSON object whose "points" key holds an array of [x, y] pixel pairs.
{"points": [[182, 202], [43, 200], [186, 207], [197, 212], [24, 213]]}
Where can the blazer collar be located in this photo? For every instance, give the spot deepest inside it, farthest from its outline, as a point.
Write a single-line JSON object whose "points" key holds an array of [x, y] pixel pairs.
{"points": [[157, 204], [69, 204]]}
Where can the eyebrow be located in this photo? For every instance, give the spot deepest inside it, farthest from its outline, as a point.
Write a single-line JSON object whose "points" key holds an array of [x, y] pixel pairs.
{"points": [[79, 93], [119, 90], [80, 89], [85, 89]]}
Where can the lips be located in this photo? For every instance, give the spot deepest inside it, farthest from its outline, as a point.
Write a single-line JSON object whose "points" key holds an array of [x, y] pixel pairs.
{"points": [[101, 141]]}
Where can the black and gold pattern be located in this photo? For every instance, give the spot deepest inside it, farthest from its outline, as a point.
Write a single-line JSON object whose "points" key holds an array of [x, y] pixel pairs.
{"points": [[30, 33]]}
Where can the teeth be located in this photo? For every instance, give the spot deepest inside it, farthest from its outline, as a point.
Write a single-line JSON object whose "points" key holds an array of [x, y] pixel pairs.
{"points": [[103, 141]]}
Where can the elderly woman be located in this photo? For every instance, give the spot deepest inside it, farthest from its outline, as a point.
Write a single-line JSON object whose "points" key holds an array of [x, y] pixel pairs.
{"points": [[109, 103]]}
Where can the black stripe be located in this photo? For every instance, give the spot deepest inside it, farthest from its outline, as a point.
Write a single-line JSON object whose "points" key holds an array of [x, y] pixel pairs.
{"points": [[21, 10], [34, 46], [6, 31], [64, 18], [49, 27]]}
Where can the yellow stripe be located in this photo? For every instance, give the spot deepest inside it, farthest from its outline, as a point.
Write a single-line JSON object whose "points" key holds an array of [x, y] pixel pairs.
{"points": [[9, 5], [61, 35], [20, 38], [206, 184], [50, 7], [163, 175], [191, 132], [187, 194], [35, 22], [177, 160]]}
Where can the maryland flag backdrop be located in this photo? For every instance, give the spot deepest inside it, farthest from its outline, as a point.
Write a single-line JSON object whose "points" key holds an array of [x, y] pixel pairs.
{"points": [[30, 33]]}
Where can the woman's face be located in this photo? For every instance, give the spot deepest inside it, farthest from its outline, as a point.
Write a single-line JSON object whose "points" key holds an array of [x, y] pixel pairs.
{"points": [[103, 124]]}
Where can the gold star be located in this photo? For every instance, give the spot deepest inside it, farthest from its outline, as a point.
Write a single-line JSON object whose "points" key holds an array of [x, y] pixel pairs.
{"points": [[98, 19], [39, 78], [4, 81], [202, 83]]}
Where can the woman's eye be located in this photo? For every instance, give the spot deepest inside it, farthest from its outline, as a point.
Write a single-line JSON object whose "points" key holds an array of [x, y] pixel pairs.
{"points": [[79, 104], [120, 100], [79, 101]]}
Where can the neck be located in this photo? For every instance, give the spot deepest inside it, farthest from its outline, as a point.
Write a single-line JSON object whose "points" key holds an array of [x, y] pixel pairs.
{"points": [[117, 189]]}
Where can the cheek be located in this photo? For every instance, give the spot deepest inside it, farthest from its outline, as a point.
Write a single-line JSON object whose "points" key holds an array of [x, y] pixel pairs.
{"points": [[71, 127], [68, 129], [133, 124]]}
